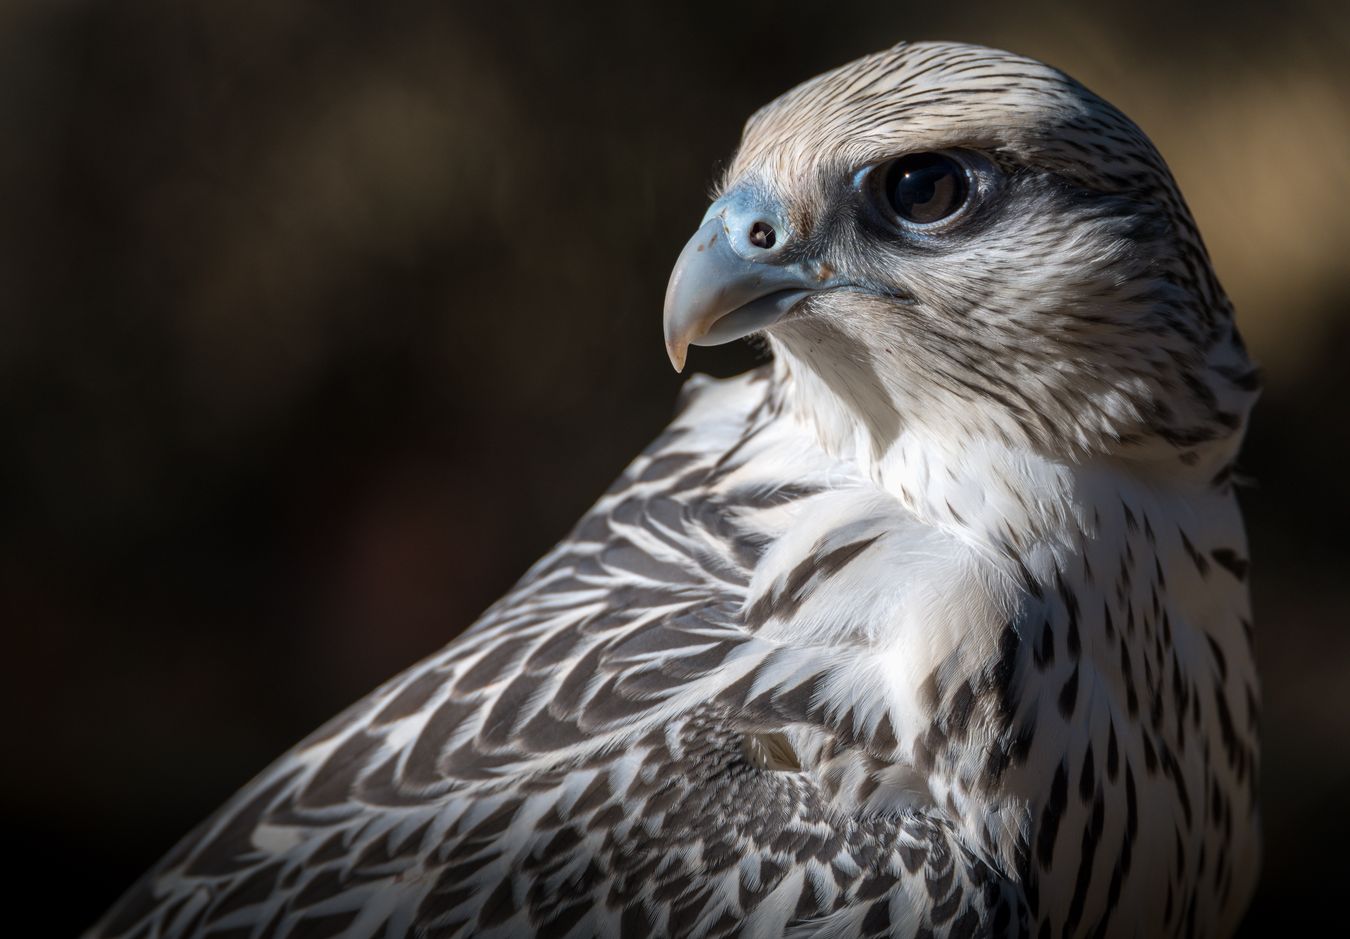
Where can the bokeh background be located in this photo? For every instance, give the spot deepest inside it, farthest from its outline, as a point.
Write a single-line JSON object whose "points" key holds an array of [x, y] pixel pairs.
{"points": [[319, 321]]}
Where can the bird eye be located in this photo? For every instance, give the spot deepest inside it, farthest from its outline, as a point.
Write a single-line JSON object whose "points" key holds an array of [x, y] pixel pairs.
{"points": [[923, 188]]}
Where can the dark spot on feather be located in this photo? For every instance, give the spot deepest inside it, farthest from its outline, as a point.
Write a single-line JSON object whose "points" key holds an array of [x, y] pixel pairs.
{"points": [[1231, 561], [253, 889], [411, 698], [1068, 695], [334, 781], [499, 905], [325, 884], [1051, 814]]}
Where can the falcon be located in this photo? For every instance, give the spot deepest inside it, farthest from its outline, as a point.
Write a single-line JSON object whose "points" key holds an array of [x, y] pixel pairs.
{"points": [[936, 625]]}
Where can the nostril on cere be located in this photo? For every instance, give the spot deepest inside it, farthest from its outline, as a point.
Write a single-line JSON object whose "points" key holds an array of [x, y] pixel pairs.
{"points": [[762, 235]]}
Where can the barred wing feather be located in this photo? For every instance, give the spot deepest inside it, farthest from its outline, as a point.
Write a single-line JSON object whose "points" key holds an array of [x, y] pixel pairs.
{"points": [[577, 763]]}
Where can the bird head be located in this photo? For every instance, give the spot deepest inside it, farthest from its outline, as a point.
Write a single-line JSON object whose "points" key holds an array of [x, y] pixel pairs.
{"points": [[948, 235]]}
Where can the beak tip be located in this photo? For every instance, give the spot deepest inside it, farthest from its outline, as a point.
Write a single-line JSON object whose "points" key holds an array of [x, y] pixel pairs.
{"points": [[677, 352]]}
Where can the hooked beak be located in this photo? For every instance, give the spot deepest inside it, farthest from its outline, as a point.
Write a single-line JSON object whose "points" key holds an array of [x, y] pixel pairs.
{"points": [[731, 279]]}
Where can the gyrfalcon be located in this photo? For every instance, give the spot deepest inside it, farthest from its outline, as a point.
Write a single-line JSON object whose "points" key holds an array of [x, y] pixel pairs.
{"points": [[937, 625]]}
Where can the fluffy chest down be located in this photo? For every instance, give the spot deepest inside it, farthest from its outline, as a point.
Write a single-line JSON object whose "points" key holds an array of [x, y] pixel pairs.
{"points": [[902, 608]]}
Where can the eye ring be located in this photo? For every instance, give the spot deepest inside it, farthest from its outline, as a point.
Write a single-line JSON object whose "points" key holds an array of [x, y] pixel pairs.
{"points": [[923, 190]]}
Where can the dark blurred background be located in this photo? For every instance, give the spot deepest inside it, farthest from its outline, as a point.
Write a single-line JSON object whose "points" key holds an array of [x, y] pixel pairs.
{"points": [[320, 321]]}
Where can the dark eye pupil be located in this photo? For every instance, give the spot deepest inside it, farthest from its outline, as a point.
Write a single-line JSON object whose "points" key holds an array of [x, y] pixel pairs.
{"points": [[925, 187]]}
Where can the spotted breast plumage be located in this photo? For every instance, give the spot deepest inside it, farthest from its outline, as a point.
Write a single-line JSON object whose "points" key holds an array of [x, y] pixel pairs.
{"points": [[936, 625]]}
